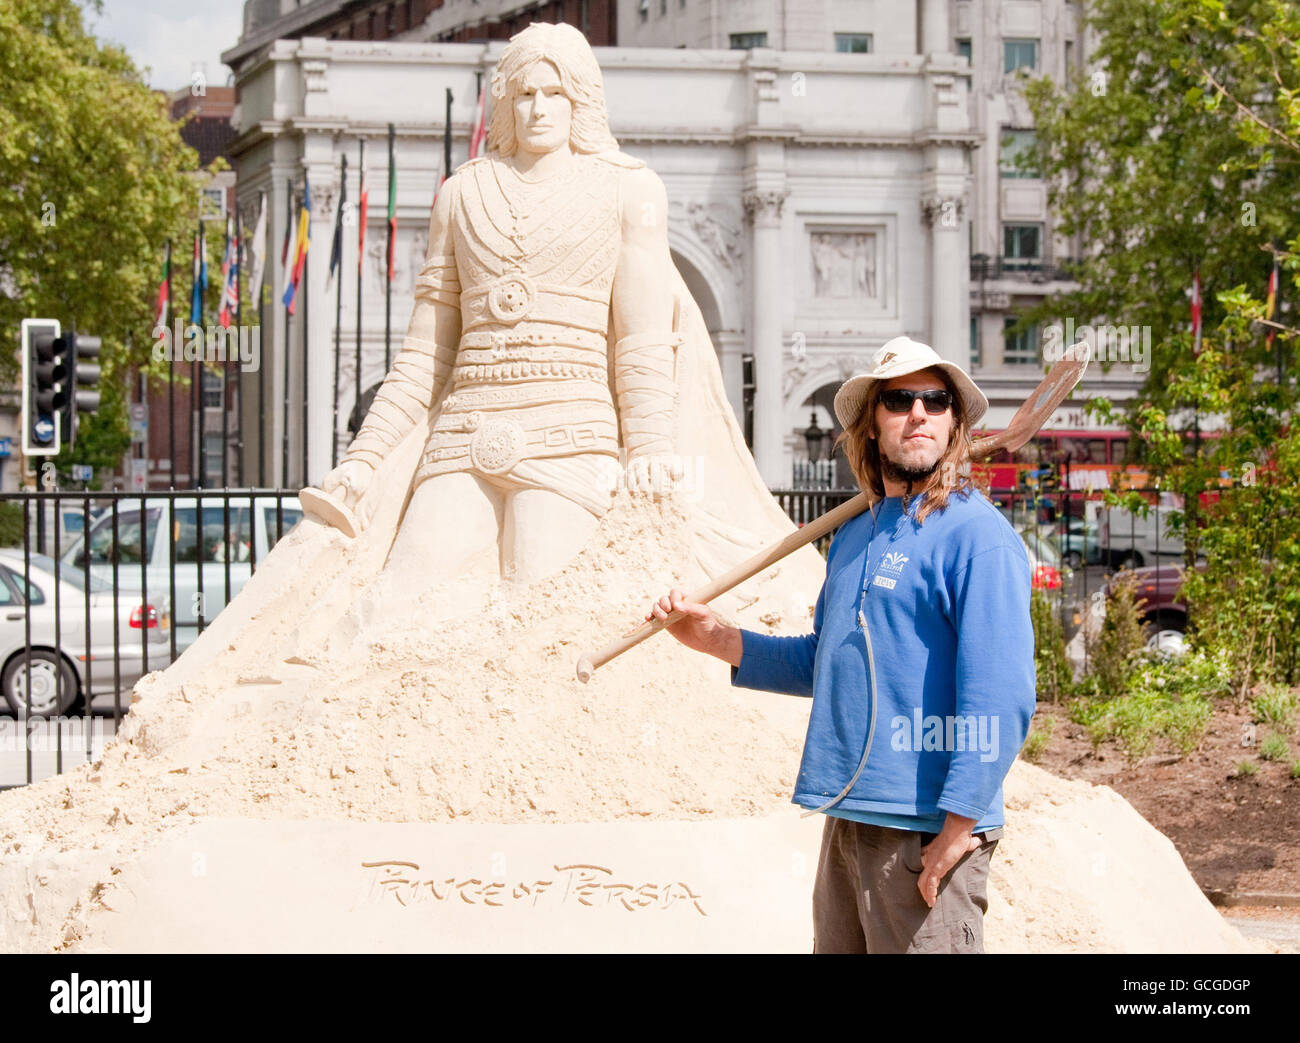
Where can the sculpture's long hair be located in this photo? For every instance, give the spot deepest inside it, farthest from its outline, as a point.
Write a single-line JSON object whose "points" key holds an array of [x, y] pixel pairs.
{"points": [[950, 473], [567, 49]]}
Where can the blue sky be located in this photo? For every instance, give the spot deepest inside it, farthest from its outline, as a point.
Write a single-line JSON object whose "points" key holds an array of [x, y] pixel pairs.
{"points": [[171, 37]]}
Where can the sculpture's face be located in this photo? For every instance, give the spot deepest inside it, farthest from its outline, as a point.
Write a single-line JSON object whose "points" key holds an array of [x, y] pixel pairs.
{"points": [[543, 112]]}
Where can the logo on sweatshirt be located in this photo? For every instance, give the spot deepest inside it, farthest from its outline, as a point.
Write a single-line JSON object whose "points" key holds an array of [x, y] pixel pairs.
{"points": [[891, 562]]}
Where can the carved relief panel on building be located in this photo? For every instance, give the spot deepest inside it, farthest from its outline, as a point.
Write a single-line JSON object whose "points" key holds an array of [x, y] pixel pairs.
{"points": [[844, 265]]}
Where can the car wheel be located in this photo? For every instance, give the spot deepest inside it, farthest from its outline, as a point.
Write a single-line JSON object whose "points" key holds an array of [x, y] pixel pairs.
{"points": [[1167, 642], [1074, 559], [1131, 560], [52, 687]]}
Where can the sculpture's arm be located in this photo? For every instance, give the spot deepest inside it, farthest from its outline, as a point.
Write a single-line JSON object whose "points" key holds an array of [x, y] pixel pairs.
{"points": [[642, 307], [428, 351]]}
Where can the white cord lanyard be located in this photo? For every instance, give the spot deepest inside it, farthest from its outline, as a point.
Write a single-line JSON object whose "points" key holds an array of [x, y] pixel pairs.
{"points": [[871, 660]]}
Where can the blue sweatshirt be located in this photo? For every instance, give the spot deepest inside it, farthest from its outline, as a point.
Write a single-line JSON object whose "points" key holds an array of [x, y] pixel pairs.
{"points": [[946, 608]]}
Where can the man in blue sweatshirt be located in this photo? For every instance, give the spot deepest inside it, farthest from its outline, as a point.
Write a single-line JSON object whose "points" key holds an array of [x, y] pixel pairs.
{"points": [[920, 666]]}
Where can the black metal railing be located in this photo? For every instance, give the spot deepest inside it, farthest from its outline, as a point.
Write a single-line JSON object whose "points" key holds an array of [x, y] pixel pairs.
{"points": [[99, 589], [139, 577], [984, 267]]}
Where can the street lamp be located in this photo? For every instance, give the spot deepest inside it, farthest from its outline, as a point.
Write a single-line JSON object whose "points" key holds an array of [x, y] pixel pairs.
{"points": [[814, 436]]}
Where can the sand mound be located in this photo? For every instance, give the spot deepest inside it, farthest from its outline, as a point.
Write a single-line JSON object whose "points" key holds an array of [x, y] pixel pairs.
{"points": [[469, 713]]}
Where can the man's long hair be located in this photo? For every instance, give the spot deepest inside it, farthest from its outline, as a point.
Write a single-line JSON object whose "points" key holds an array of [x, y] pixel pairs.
{"points": [[567, 49], [950, 473]]}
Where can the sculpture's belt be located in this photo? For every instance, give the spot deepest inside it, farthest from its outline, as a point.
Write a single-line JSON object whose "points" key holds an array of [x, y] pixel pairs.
{"points": [[511, 298], [490, 348], [494, 443]]}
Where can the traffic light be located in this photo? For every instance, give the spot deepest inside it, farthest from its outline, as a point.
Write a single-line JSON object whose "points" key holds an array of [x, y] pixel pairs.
{"points": [[79, 381], [41, 385]]}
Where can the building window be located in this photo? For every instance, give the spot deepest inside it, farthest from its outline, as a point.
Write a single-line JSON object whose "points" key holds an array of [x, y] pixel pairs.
{"points": [[1019, 349], [643, 9], [744, 41], [1022, 245], [975, 361], [663, 8], [853, 43], [211, 464], [1069, 56], [211, 386], [1019, 54], [1015, 144], [212, 203], [963, 49]]}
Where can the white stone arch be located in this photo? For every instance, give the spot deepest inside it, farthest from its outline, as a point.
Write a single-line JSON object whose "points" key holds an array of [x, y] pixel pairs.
{"points": [[707, 274], [829, 374]]}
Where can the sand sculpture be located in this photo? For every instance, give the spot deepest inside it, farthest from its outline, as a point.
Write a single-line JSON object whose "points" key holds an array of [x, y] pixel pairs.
{"points": [[380, 743]]}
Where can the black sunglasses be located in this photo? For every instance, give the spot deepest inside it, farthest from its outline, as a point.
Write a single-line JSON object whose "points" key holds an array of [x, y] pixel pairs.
{"points": [[899, 400]]}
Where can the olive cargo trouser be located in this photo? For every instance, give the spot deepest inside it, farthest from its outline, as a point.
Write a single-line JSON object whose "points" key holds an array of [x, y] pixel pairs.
{"points": [[865, 899]]}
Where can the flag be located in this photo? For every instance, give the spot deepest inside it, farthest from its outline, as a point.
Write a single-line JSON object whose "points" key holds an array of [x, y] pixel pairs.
{"points": [[229, 279], [1270, 305], [289, 252], [392, 205], [258, 249], [298, 253], [336, 247], [1196, 312], [162, 307], [480, 127], [361, 210], [199, 277]]}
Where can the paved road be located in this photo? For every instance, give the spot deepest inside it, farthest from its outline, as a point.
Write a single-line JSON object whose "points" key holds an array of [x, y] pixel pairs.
{"points": [[46, 741]]}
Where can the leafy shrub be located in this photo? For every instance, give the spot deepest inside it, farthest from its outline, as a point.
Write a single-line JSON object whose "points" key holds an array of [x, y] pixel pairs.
{"points": [[1040, 734], [1274, 748], [1113, 653], [1055, 675], [1275, 704]]}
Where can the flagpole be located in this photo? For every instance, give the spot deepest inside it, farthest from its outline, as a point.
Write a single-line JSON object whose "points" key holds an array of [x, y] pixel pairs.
{"points": [[446, 139], [338, 311], [196, 309], [171, 380], [307, 206], [284, 426], [388, 271], [361, 260], [261, 372], [225, 363], [306, 328]]}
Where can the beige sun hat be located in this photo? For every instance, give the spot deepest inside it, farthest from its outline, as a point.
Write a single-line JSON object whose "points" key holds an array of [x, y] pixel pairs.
{"points": [[897, 358]]}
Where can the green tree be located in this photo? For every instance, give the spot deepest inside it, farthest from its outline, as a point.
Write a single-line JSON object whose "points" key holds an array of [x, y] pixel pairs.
{"points": [[95, 179], [1184, 155]]}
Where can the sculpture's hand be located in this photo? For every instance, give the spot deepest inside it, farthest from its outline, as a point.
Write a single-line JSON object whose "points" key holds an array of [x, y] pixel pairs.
{"points": [[348, 482], [654, 474]]}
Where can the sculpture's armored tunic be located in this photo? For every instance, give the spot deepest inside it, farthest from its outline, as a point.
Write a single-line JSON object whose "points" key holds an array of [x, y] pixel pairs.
{"points": [[530, 402], [535, 262]]}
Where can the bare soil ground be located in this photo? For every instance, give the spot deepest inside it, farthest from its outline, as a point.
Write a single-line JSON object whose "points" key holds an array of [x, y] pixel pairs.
{"points": [[1237, 833]]}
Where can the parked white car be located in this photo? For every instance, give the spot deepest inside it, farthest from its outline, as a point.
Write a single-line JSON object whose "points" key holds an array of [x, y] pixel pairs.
{"points": [[1127, 540], [143, 550], [60, 680]]}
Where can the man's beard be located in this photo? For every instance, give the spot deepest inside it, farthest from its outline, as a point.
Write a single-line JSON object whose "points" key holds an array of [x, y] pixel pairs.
{"points": [[908, 475]]}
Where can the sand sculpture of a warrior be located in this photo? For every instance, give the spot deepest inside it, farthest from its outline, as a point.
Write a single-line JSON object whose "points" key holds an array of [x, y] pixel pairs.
{"points": [[553, 350]]}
